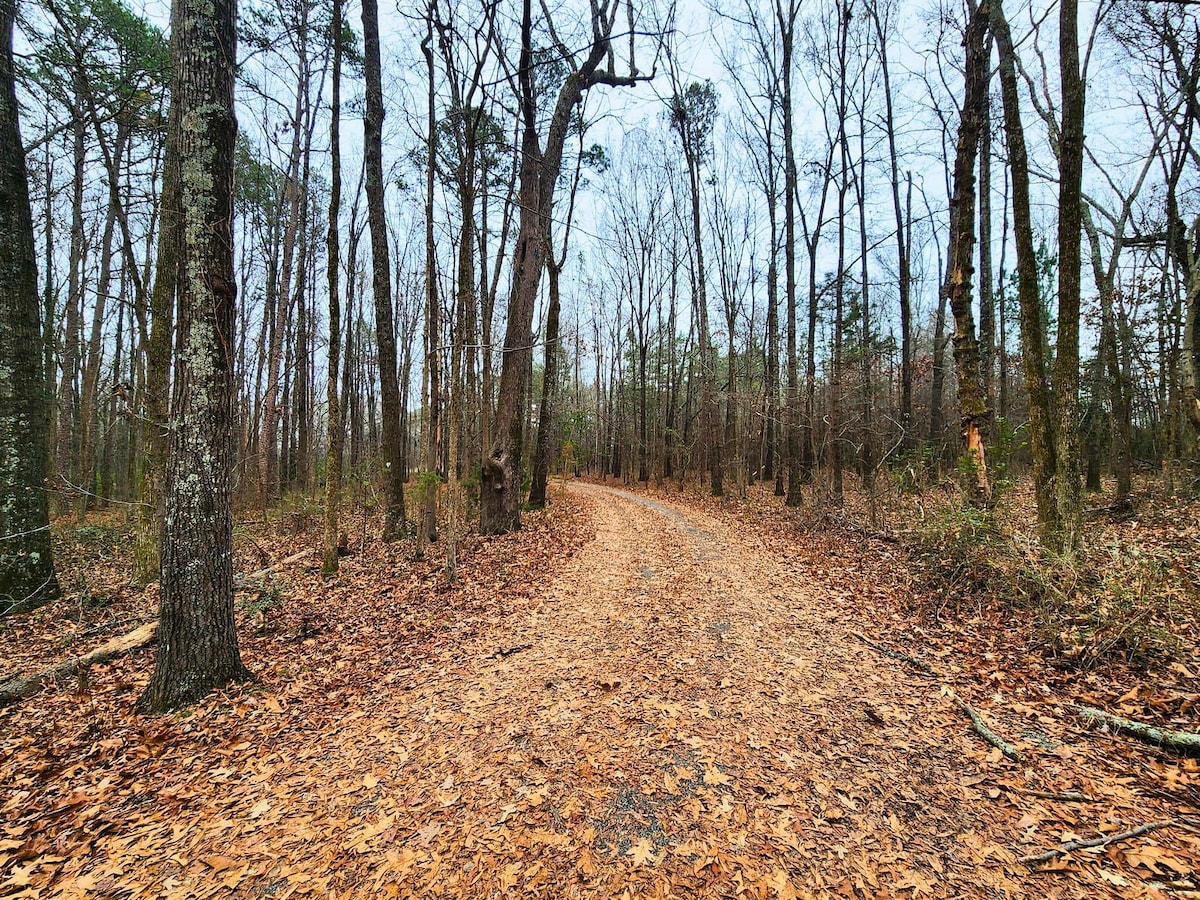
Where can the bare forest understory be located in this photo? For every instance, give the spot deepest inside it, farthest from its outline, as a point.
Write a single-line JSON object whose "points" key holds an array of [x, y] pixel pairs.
{"points": [[646, 694]]}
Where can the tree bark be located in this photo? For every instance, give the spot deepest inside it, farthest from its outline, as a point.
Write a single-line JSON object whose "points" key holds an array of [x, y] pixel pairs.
{"points": [[395, 518], [197, 646], [27, 576], [975, 417]]}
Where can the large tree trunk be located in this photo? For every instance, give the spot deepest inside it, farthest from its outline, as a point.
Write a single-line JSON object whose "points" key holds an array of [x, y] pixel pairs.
{"points": [[197, 640], [26, 566], [395, 519], [975, 417], [500, 478], [1033, 336]]}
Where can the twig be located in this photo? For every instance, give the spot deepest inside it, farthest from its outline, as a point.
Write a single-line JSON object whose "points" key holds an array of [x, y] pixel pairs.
{"points": [[1071, 846], [977, 724], [919, 664], [981, 728], [510, 651], [1183, 742], [1061, 797]]}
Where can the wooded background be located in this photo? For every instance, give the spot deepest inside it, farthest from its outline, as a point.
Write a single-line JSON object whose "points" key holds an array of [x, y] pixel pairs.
{"points": [[832, 245]]}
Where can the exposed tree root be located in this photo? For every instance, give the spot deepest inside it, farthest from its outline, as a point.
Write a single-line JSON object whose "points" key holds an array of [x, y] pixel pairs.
{"points": [[1182, 742], [1070, 846]]}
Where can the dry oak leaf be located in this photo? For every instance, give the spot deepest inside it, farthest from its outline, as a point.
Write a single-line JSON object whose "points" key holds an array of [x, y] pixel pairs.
{"points": [[642, 853]]}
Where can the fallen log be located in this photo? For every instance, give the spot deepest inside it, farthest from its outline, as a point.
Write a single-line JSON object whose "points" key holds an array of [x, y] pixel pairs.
{"points": [[1070, 846], [22, 686], [1183, 742], [286, 561]]}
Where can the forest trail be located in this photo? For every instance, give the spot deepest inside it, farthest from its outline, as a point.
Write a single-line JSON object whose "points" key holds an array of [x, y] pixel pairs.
{"points": [[682, 713], [648, 700]]}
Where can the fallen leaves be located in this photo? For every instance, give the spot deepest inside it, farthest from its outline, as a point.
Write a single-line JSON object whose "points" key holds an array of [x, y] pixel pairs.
{"points": [[708, 729]]}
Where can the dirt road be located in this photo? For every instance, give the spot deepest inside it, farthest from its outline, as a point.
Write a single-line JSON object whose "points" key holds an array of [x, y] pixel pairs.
{"points": [[683, 713]]}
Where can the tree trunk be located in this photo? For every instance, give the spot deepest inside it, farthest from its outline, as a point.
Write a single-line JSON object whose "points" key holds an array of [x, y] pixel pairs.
{"points": [[395, 519], [433, 336], [1033, 336], [1068, 487], [987, 303], [197, 640], [335, 427], [500, 478], [545, 446], [66, 454], [975, 417], [158, 373], [787, 31], [27, 575]]}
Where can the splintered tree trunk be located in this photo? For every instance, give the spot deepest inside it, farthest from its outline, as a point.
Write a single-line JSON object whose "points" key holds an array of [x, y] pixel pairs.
{"points": [[26, 567], [395, 519], [335, 430], [972, 398], [197, 641]]}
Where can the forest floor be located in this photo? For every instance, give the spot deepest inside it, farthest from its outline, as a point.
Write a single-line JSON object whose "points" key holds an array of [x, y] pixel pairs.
{"points": [[635, 696]]}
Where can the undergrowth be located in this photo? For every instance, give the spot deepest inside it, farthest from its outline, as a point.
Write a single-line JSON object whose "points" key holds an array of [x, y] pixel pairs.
{"points": [[1120, 596]]}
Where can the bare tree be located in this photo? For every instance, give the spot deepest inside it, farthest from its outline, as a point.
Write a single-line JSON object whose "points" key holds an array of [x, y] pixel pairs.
{"points": [[500, 485]]}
